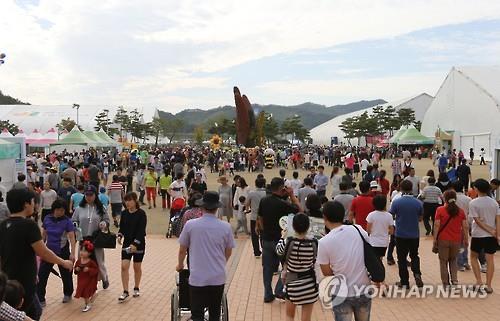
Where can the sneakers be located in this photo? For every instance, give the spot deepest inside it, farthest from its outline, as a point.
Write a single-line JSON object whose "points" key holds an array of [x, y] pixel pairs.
{"points": [[418, 280], [123, 297], [269, 299], [105, 284], [258, 256], [66, 299], [136, 293], [461, 269], [280, 297], [483, 268], [86, 308]]}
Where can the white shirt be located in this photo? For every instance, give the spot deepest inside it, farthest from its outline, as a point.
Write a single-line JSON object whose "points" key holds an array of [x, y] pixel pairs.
{"points": [[177, 185], [364, 164], [343, 250], [336, 180], [381, 221], [486, 210], [296, 184]]}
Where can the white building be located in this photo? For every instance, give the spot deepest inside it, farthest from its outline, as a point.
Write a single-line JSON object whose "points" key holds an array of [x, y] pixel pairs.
{"points": [[322, 134], [467, 105]]}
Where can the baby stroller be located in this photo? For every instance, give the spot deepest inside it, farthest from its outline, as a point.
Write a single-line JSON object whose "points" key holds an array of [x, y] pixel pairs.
{"points": [[180, 304], [175, 221]]}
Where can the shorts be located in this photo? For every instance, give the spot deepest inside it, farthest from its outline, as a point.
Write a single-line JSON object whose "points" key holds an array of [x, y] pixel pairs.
{"points": [[380, 251], [138, 257], [488, 244], [116, 209]]}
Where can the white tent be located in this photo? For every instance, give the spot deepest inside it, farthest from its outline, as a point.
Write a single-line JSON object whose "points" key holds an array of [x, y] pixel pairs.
{"points": [[323, 133], [467, 105], [5, 133], [21, 134]]}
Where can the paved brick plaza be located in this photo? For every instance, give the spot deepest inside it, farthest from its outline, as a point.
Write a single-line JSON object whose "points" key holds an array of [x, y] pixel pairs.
{"points": [[246, 292]]}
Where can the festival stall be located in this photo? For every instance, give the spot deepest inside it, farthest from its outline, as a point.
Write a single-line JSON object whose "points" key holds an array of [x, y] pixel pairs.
{"points": [[102, 134], [98, 142], [73, 142], [21, 134], [394, 139], [9, 153], [413, 137]]}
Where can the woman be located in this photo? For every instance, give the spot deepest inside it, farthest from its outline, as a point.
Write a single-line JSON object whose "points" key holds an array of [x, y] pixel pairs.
{"points": [[443, 182], [395, 183], [150, 180], [383, 182], [89, 216], [226, 198], [335, 178], [451, 226], [242, 189], [299, 275], [165, 182], [425, 180], [130, 179], [132, 237], [58, 233]]}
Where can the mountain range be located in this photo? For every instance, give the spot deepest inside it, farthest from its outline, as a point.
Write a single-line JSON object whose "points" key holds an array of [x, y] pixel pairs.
{"points": [[311, 114]]}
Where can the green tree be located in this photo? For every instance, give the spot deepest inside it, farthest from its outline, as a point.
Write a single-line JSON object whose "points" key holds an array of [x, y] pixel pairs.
{"points": [[173, 127], [157, 128], [222, 126], [417, 124], [12, 128], [390, 121], [103, 122], [348, 126], [122, 118], [199, 135], [67, 124], [406, 116], [293, 126], [136, 126], [271, 128]]}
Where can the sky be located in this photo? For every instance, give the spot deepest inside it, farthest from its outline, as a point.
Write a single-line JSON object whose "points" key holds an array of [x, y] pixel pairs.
{"points": [[177, 54]]}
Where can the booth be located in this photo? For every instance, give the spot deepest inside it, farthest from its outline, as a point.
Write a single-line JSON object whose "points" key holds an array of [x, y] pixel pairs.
{"points": [[10, 164], [75, 141]]}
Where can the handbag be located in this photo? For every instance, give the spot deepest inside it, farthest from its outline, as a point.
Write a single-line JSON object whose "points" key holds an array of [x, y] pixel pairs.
{"points": [[435, 249], [373, 264], [104, 240]]}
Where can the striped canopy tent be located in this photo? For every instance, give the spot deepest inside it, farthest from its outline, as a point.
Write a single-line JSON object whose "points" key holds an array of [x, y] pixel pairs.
{"points": [[102, 134], [51, 135], [5, 133], [413, 137], [394, 139], [34, 138]]}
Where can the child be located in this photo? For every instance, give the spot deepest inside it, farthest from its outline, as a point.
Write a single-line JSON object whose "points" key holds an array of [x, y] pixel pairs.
{"points": [[231, 167], [87, 272], [242, 219], [380, 226], [104, 198], [14, 294]]}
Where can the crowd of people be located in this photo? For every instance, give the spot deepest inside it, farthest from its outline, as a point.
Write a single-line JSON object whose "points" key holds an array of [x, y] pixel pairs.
{"points": [[62, 209]]}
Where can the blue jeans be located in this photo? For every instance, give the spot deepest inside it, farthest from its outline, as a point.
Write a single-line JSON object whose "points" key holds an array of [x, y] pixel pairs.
{"points": [[462, 258], [270, 264], [358, 306]]}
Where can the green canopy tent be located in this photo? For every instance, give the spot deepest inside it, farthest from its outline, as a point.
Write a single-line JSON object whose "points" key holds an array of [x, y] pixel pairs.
{"points": [[97, 141], [9, 153], [102, 134], [394, 139], [413, 137], [74, 137]]}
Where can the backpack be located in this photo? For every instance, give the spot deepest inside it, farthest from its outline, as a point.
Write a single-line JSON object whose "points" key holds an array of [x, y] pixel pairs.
{"points": [[288, 277]]}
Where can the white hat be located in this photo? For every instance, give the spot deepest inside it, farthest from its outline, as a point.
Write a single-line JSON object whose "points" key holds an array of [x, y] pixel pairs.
{"points": [[373, 184]]}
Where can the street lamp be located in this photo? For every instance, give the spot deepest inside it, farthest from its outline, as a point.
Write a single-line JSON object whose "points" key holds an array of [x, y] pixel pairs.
{"points": [[77, 113]]}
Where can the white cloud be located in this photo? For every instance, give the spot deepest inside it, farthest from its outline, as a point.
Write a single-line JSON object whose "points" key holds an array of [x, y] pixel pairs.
{"points": [[111, 51]]}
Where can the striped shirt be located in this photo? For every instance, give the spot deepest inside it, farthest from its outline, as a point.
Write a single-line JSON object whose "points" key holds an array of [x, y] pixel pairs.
{"points": [[301, 257], [431, 194], [115, 191]]}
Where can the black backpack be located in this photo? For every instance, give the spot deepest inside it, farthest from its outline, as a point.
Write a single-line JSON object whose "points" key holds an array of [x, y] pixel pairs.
{"points": [[374, 267]]}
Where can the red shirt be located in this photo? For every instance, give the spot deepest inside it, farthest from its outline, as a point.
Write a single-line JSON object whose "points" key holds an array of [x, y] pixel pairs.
{"points": [[384, 185], [453, 230], [362, 206]]}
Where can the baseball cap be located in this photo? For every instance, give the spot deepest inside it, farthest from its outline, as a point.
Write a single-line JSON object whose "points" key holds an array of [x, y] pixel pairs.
{"points": [[373, 184]]}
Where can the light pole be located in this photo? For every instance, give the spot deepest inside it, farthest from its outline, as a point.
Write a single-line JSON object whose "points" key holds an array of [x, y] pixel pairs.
{"points": [[77, 113]]}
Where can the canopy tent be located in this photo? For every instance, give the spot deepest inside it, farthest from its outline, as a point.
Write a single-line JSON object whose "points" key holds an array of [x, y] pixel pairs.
{"points": [[34, 137], [97, 141], [413, 137], [63, 134], [51, 134], [5, 133], [75, 137], [21, 134], [9, 152], [394, 139], [102, 134]]}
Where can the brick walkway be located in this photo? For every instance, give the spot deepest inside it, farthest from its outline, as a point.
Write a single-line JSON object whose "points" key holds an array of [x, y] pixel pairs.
{"points": [[245, 294]]}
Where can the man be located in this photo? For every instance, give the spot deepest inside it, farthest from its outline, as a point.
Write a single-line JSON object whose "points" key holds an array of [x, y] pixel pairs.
{"points": [[364, 166], [433, 198], [485, 231], [21, 182], [31, 176], [415, 182], [20, 242], [464, 174], [190, 175], [408, 212], [320, 181], [305, 191], [295, 183], [271, 209], [442, 163], [253, 202], [70, 173], [116, 195], [361, 205], [341, 252], [345, 199], [210, 242], [94, 172], [198, 185], [396, 166], [66, 190]]}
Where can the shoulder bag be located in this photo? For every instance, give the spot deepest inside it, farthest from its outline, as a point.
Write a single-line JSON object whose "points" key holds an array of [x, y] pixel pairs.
{"points": [[374, 267], [434, 245]]}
